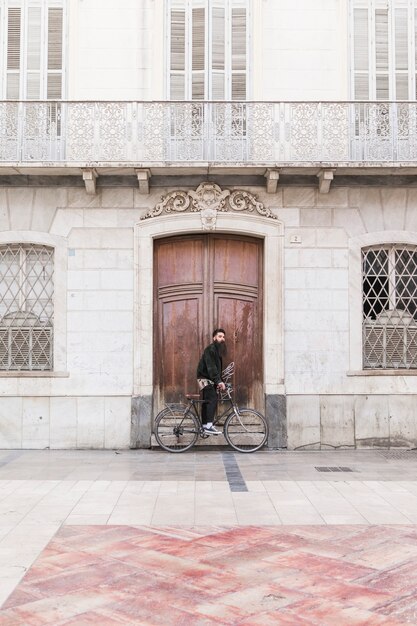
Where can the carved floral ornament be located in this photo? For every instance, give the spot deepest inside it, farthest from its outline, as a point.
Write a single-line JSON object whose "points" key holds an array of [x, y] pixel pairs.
{"points": [[208, 200]]}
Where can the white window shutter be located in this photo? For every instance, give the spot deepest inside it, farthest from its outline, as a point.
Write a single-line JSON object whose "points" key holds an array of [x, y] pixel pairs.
{"points": [[381, 55], [390, 38], [361, 54], [54, 68], [239, 53], [208, 49], [401, 54], [33, 53], [177, 54], [34, 49], [198, 53], [218, 53], [415, 55], [13, 53]]}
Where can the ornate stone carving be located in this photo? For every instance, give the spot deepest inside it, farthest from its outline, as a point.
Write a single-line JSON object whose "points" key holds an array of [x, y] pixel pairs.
{"points": [[208, 199]]}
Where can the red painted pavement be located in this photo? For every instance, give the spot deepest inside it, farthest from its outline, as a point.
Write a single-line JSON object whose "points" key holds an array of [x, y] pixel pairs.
{"points": [[246, 576]]}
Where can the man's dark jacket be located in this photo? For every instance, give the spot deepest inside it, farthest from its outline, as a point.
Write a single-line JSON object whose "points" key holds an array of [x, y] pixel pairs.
{"points": [[210, 365]]}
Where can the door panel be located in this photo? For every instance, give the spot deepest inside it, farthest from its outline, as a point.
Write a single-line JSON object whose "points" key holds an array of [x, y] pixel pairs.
{"points": [[203, 282], [179, 261], [236, 262], [181, 320], [240, 316]]}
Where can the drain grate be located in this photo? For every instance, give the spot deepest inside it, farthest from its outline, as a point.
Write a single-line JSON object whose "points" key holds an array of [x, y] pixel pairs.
{"points": [[335, 469], [398, 455]]}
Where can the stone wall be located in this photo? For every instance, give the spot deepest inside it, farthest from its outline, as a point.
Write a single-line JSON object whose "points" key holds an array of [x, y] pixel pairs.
{"points": [[351, 421], [330, 400], [64, 422]]}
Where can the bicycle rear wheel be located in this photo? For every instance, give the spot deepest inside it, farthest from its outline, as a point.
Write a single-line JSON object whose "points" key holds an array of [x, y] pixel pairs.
{"points": [[246, 430], [176, 430]]}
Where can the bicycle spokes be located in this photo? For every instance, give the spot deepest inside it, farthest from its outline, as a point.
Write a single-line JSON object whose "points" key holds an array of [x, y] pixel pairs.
{"points": [[175, 430], [246, 430]]}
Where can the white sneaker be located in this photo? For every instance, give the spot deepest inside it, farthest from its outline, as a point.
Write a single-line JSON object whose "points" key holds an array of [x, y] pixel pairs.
{"points": [[210, 430]]}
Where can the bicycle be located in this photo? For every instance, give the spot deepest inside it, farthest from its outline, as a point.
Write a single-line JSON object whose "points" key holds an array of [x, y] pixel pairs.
{"points": [[178, 426]]}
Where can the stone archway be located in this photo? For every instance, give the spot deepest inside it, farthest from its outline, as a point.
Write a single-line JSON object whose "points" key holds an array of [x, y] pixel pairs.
{"points": [[209, 208]]}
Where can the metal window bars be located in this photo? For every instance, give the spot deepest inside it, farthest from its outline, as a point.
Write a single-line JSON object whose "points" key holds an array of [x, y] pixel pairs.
{"points": [[389, 284], [26, 307]]}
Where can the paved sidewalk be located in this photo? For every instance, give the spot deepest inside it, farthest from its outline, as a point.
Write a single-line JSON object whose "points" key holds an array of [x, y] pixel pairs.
{"points": [[45, 494]]}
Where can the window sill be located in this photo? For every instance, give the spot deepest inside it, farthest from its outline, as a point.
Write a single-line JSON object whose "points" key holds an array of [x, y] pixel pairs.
{"points": [[382, 373], [25, 374]]}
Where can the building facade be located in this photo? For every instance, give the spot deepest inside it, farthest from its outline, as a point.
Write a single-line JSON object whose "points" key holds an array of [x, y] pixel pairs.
{"points": [[168, 166]]}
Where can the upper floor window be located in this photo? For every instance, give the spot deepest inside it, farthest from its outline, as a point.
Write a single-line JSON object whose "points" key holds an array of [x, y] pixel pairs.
{"points": [[31, 49], [26, 307], [208, 49], [389, 298], [383, 49]]}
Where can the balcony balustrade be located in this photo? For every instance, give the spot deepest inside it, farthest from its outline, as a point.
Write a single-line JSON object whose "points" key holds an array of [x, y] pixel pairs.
{"points": [[240, 133]]}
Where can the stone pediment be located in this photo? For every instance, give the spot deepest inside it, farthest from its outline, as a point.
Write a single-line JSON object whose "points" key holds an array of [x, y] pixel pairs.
{"points": [[209, 199]]}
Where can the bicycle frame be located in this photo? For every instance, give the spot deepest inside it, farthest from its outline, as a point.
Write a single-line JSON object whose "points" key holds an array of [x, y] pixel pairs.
{"points": [[179, 425], [192, 406]]}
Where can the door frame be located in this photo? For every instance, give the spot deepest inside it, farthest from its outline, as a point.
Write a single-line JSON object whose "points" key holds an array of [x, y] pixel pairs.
{"points": [[271, 231]]}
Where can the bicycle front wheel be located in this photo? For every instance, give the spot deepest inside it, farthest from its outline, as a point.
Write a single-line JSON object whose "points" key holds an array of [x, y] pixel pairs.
{"points": [[246, 430], [176, 430]]}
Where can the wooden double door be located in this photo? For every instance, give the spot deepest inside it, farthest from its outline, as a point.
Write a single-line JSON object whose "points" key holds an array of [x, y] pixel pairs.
{"points": [[202, 282]]}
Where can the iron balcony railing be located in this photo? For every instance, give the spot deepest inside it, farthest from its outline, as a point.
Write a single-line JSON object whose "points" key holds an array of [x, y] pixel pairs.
{"points": [[220, 132]]}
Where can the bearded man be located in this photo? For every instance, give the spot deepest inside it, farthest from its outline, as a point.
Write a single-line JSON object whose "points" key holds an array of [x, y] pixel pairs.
{"points": [[209, 378]]}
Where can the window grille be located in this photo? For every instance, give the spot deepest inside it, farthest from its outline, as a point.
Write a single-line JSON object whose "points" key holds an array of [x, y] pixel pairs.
{"points": [[389, 290], [26, 307]]}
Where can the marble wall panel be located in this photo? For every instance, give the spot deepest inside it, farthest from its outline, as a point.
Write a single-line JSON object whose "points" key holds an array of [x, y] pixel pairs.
{"points": [[63, 423], [403, 420], [35, 423], [303, 422], [394, 208], [371, 421], [350, 220], [4, 211], [20, 207], [299, 197], [90, 422], [11, 422], [117, 423], [337, 422]]}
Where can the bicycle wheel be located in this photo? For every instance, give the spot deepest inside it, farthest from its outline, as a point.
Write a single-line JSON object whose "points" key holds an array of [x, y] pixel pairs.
{"points": [[246, 430], [176, 430]]}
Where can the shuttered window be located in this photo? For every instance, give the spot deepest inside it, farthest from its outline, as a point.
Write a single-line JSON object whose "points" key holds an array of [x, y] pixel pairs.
{"points": [[31, 34], [26, 307], [389, 297], [208, 49], [383, 49]]}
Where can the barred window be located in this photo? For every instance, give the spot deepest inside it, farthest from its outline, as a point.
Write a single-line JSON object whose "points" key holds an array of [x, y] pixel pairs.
{"points": [[26, 307], [389, 296]]}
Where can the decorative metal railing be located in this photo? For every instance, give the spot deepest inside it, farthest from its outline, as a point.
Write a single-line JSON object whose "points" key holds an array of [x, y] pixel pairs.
{"points": [[221, 132]]}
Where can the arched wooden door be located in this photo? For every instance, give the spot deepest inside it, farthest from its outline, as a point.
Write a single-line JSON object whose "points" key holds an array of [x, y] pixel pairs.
{"points": [[203, 282]]}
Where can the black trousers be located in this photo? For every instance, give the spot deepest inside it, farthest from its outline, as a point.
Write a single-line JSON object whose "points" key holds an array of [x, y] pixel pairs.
{"points": [[209, 407]]}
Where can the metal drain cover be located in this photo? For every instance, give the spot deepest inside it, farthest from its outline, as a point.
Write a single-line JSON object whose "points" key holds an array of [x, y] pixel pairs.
{"points": [[334, 469]]}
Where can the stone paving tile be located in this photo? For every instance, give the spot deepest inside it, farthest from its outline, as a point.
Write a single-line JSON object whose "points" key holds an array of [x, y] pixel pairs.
{"points": [[155, 465], [263, 576]]}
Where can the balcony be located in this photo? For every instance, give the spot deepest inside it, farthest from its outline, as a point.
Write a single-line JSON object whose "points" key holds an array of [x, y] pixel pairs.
{"points": [[62, 137]]}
